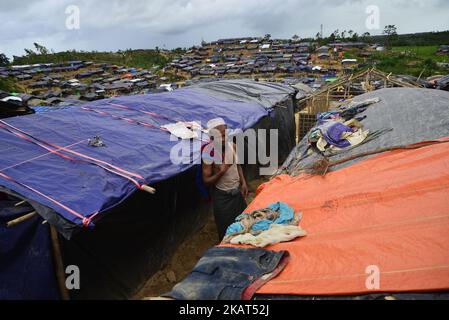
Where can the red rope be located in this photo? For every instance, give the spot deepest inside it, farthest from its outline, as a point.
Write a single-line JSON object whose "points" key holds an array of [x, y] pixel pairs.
{"points": [[125, 172], [104, 113], [140, 110], [86, 221], [46, 148]]}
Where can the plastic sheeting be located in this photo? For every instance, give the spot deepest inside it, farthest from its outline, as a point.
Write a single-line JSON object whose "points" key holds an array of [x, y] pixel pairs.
{"points": [[26, 264], [411, 115], [388, 213], [267, 94], [88, 189], [135, 239]]}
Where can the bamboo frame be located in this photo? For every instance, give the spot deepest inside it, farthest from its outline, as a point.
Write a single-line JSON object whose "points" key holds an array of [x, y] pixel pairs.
{"points": [[21, 219], [59, 264]]}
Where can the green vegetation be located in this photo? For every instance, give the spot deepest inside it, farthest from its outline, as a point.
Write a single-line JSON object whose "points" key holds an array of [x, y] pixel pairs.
{"points": [[130, 58], [4, 61], [417, 39], [389, 38], [422, 52], [391, 35], [8, 85], [405, 60], [412, 60]]}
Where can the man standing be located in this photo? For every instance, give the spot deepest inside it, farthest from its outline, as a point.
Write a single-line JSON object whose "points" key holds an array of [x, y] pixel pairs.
{"points": [[224, 175]]}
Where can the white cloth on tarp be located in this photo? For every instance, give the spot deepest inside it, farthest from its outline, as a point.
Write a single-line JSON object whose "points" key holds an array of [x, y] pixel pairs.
{"points": [[276, 234], [184, 130]]}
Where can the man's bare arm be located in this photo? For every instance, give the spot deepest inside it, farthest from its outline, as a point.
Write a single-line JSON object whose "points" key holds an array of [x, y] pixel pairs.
{"points": [[209, 178]]}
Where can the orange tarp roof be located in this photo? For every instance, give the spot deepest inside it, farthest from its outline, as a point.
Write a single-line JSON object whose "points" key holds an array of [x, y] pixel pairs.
{"points": [[391, 211]]}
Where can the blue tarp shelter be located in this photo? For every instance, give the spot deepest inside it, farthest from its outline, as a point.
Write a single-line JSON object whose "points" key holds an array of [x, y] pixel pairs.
{"points": [[46, 159]]}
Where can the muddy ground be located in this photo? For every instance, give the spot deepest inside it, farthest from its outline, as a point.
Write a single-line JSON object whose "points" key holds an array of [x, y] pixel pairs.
{"points": [[187, 256]]}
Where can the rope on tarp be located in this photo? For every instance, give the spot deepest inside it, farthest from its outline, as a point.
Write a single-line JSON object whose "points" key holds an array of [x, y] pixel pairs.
{"points": [[86, 221], [79, 154], [68, 150], [104, 113], [38, 157], [153, 114], [115, 170]]}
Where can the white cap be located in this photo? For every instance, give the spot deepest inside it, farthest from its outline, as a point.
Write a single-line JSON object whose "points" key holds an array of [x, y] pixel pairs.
{"points": [[214, 123]]}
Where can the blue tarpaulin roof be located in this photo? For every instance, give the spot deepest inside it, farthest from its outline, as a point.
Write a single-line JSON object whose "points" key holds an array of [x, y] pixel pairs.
{"points": [[77, 184]]}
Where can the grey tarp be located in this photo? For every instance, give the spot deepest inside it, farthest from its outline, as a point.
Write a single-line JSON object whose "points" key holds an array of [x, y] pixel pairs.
{"points": [[413, 115], [267, 94]]}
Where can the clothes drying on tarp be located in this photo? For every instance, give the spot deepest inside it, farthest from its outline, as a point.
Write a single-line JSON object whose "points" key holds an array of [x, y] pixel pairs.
{"points": [[391, 117], [336, 134], [340, 128], [230, 274], [255, 228], [276, 234], [348, 111]]}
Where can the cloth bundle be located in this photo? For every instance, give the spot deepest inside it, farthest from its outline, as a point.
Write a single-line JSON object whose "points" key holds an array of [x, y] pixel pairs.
{"points": [[276, 234], [337, 135], [260, 228]]}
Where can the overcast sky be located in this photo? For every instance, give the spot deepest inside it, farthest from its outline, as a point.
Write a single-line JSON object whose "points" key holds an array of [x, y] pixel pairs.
{"points": [[140, 24]]}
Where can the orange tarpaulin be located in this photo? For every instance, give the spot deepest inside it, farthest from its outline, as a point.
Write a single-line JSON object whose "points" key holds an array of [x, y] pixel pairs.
{"points": [[391, 211]]}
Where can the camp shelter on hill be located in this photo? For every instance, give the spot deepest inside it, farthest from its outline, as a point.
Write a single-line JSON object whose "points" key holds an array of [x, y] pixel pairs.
{"points": [[388, 209], [10, 109], [345, 88], [115, 233]]}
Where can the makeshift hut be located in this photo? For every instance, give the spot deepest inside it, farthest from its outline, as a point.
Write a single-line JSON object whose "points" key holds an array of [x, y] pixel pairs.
{"points": [[376, 217], [346, 88], [94, 186]]}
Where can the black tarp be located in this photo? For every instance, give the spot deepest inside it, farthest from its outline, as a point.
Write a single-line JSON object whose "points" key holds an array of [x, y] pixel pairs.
{"points": [[9, 109], [26, 262]]}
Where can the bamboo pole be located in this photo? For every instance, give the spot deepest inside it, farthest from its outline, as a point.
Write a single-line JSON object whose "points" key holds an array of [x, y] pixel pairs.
{"points": [[148, 189], [59, 264], [21, 219], [20, 203]]}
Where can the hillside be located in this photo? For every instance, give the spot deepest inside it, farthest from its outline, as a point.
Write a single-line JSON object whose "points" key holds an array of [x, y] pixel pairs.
{"points": [[415, 39], [130, 58]]}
